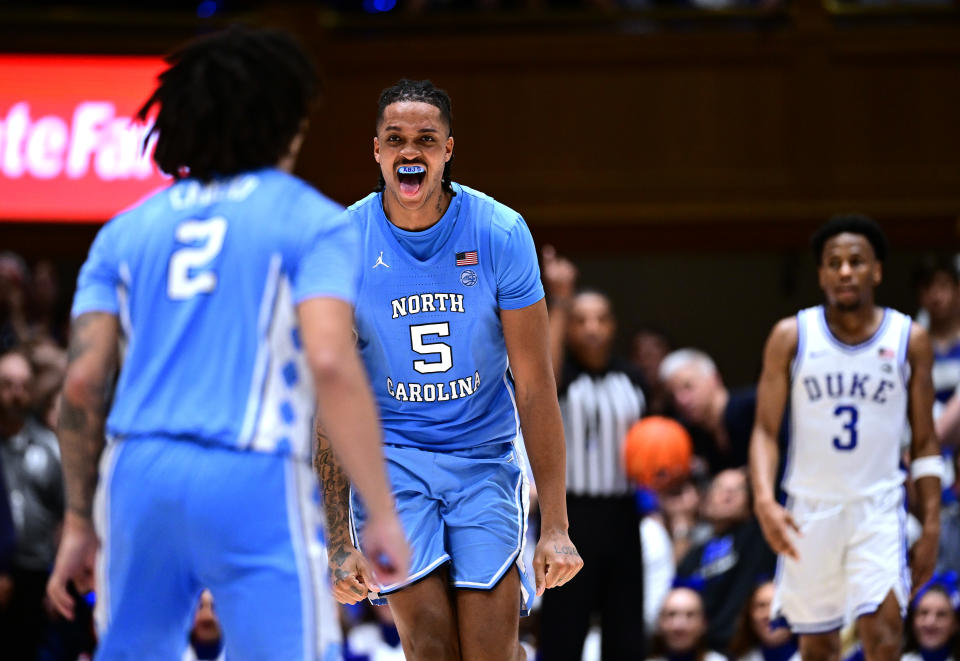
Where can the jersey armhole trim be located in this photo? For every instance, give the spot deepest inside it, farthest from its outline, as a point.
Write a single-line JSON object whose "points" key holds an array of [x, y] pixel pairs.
{"points": [[902, 361], [801, 344]]}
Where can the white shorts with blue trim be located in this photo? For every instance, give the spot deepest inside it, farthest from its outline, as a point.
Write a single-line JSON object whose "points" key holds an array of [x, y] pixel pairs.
{"points": [[466, 507], [852, 555]]}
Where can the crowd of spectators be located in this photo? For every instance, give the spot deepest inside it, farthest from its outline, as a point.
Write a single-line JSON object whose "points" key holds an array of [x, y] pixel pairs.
{"points": [[706, 577]]}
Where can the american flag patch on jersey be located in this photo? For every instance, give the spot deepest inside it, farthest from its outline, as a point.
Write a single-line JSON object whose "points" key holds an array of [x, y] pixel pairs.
{"points": [[468, 258], [887, 353]]}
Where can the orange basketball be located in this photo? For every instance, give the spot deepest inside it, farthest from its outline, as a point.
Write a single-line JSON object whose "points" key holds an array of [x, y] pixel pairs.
{"points": [[657, 452]]}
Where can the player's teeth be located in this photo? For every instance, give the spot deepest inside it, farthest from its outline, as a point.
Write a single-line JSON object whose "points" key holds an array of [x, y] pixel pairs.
{"points": [[411, 169]]}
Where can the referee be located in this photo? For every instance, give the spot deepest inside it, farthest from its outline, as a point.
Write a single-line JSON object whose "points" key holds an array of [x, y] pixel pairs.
{"points": [[600, 398]]}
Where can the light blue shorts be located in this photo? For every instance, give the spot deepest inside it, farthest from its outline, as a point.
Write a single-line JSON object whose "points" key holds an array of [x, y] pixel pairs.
{"points": [[466, 507], [175, 517]]}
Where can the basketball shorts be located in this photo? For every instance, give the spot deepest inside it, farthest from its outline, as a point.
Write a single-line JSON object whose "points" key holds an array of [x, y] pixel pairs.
{"points": [[467, 508], [852, 555], [175, 517]]}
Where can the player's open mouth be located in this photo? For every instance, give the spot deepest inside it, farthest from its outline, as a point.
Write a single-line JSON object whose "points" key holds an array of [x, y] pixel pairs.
{"points": [[410, 177]]}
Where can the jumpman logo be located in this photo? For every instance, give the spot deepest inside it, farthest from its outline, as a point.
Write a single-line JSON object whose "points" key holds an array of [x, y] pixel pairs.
{"points": [[380, 261]]}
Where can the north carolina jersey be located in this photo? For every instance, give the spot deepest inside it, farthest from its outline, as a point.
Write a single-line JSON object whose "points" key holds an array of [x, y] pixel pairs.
{"points": [[848, 409], [204, 280], [429, 326]]}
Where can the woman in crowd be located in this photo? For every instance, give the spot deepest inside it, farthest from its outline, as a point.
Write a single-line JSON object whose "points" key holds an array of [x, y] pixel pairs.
{"points": [[681, 629], [754, 639], [933, 633]]}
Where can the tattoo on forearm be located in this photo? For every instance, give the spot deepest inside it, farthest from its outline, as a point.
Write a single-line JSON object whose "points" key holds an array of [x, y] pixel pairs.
{"points": [[72, 418], [79, 337], [336, 494], [82, 416]]}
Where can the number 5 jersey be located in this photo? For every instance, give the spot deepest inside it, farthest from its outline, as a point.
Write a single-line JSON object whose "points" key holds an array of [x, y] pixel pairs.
{"points": [[848, 409], [428, 319]]}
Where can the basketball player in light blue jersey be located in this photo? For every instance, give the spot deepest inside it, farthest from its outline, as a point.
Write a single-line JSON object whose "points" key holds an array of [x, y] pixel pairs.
{"points": [[226, 304], [855, 375], [452, 327]]}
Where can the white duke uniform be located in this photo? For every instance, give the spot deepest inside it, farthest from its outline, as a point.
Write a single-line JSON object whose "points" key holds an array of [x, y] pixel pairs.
{"points": [[848, 412]]}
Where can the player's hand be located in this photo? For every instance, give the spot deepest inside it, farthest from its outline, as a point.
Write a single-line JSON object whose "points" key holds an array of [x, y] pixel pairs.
{"points": [[75, 561], [923, 559], [350, 573], [555, 561], [559, 274], [385, 545], [776, 523]]}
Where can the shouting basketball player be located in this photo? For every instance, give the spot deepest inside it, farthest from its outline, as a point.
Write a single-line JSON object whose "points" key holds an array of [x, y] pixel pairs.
{"points": [[855, 374], [450, 292]]}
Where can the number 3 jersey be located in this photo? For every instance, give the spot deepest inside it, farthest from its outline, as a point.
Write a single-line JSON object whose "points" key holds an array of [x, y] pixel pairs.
{"points": [[848, 409], [204, 279], [428, 319]]}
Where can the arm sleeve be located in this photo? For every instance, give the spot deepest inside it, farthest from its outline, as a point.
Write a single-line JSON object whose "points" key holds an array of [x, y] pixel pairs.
{"points": [[330, 262], [99, 276], [518, 273]]}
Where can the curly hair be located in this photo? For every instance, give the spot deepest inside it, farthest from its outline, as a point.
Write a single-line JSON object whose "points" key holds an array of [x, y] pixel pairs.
{"points": [[852, 223], [230, 102]]}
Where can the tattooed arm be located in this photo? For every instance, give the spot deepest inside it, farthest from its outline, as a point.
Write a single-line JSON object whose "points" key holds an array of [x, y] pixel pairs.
{"points": [[91, 367], [349, 571]]}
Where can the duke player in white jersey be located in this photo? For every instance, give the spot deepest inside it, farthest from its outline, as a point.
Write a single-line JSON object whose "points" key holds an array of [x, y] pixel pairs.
{"points": [[451, 290], [232, 292], [854, 375]]}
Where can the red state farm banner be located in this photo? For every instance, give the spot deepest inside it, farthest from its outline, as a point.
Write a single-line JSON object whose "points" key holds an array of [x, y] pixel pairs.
{"points": [[69, 150]]}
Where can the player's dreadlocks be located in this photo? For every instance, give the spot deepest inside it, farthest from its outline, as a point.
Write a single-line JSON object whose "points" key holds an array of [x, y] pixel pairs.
{"points": [[425, 92], [852, 223], [230, 102]]}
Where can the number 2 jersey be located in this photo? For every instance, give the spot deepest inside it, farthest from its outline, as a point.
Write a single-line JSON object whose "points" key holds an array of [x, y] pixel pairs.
{"points": [[848, 409], [428, 319], [204, 280]]}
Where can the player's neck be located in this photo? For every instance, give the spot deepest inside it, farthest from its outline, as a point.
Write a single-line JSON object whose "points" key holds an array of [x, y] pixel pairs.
{"points": [[416, 220], [854, 326]]}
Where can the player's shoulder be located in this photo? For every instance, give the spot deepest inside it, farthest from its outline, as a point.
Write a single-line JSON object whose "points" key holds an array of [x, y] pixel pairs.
{"points": [[919, 344], [484, 208], [788, 328], [365, 204], [307, 200], [784, 338], [118, 233]]}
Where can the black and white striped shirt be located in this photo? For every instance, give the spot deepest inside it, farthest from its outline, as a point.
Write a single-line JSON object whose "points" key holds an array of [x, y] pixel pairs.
{"points": [[598, 409]]}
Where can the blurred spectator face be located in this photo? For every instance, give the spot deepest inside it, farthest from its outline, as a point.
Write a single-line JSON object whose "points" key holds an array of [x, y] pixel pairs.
{"points": [[940, 297], [682, 500], [694, 387], [13, 278], [50, 363], [45, 285], [934, 621], [682, 623], [760, 618], [727, 500], [591, 329], [206, 626], [16, 381], [649, 350]]}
